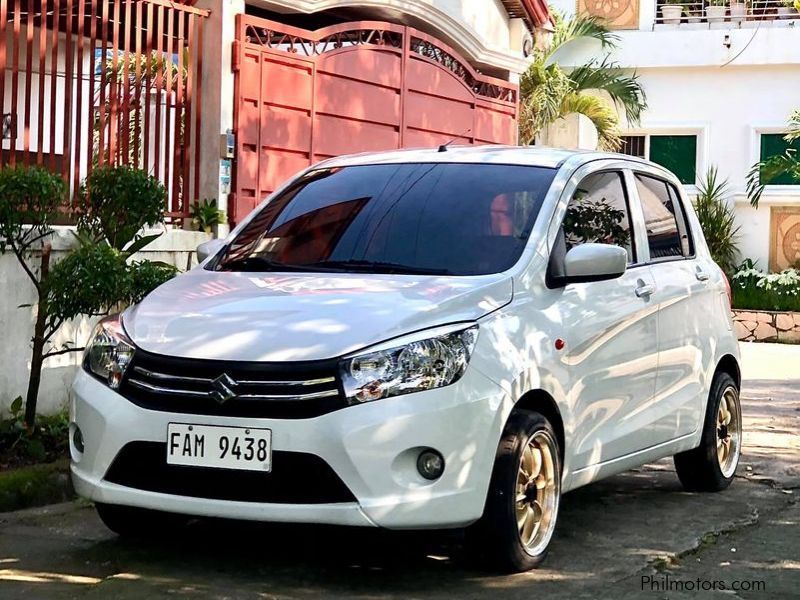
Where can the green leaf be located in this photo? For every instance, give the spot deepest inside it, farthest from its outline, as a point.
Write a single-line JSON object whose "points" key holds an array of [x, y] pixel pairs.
{"points": [[16, 405], [35, 449], [140, 242]]}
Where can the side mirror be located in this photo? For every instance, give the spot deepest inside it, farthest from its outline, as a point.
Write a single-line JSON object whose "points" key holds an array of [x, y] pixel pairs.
{"points": [[594, 262], [209, 248]]}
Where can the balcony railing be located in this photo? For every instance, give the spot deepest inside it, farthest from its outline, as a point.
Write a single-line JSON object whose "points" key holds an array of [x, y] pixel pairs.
{"points": [[730, 13]]}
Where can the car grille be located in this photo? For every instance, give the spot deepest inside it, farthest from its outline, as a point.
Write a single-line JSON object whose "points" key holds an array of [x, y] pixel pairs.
{"points": [[295, 390], [296, 478]]}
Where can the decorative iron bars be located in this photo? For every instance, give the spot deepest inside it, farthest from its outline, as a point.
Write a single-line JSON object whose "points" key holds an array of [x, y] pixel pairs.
{"points": [[85, 84], [703, 13], [437, 54], [303, 45]]}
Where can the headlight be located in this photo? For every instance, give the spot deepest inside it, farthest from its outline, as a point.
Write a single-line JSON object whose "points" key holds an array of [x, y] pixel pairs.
{"points": [[109, 352], [437, 358]]}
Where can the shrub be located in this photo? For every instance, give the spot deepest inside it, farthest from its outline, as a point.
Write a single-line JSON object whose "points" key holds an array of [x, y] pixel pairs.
{"points": [[145, 276], [29, 199], [104, 279], [118, 201], [753, 289], [28, 196], [46, 442], [717, 221]]}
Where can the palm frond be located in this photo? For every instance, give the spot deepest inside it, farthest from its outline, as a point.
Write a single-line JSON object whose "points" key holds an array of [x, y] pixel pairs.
{"points": [[622, 85], [766, 171], [794, 127], [600, 113], [575, 28], [542, 90]]}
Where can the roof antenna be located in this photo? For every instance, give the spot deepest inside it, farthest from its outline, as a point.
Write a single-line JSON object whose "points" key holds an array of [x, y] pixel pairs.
{"points": [[443, 147]]}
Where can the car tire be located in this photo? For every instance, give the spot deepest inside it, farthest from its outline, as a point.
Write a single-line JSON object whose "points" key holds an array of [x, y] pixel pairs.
{"points": [[711, 466], [133, 522], [519, 518]]}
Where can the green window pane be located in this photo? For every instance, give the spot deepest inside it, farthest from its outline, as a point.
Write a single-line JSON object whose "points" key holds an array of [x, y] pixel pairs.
{"points": [[678, 153], [773, 144]]}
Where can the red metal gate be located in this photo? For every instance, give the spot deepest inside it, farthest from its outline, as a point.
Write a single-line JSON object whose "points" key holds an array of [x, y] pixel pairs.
{"points": [[86, 83], [304, 96]]}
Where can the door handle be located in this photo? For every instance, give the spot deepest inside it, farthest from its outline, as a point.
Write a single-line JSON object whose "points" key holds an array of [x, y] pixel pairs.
{"points": [[645, 291], [701, 275]]}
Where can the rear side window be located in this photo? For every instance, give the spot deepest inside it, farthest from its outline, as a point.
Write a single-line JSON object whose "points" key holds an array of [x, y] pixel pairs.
{"points": [[667, 229], [598, 213]]}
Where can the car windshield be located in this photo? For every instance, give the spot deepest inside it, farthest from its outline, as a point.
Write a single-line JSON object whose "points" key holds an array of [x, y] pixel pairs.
{"points": [[421, 218]]}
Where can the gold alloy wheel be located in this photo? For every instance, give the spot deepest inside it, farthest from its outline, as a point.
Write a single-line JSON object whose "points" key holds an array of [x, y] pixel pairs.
{"points": [[538, 490], [729, 431]]}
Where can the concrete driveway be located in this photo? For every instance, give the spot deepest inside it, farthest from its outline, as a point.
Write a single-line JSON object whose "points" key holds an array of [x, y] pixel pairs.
{"points": [[636, 535]]}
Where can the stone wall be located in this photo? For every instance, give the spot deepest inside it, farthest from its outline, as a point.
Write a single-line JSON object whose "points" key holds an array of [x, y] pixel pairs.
{"points": [[767, 326]]}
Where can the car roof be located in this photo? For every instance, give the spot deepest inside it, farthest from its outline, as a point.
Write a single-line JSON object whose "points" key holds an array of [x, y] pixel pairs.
{"points": [[532, 156]]}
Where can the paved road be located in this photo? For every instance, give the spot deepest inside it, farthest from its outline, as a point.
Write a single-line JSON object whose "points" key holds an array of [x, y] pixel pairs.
{"points": [[637, 530]]}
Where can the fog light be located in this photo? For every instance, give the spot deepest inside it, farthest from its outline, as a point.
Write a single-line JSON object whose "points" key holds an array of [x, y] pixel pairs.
{"points": [[430, 464], [77, 439]]}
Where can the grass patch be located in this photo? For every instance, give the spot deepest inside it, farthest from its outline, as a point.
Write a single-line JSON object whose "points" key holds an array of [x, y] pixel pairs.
{"points": [[755, 290], [755, 298], [35, 485]]}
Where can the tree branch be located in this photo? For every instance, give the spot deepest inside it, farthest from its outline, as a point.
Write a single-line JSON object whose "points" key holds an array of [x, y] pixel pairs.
{"points": [[26, 243], [62, 351], [18, 253]]}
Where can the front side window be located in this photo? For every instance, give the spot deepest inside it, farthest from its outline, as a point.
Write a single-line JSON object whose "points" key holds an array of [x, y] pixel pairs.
{"points": [[598, 213], [667, 230], [422, 218]]}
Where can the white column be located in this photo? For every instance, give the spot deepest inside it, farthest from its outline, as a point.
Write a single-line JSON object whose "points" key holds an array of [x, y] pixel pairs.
{"points": [[219, 34]]}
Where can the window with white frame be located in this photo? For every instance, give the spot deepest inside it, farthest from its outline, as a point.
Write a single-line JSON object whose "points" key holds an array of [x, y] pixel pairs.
{"points": [[678, 153], [772, 145]]}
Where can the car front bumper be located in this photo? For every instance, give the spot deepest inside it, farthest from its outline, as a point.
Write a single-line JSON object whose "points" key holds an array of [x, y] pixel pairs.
{"points": [[372, 448]]}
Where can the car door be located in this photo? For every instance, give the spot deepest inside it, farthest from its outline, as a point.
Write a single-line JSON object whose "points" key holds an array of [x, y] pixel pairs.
{"points": [[685, 297], [611, 328]]}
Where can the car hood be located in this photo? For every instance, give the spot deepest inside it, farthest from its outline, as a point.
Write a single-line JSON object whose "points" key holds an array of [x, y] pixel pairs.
{"points": [[301, 316]]}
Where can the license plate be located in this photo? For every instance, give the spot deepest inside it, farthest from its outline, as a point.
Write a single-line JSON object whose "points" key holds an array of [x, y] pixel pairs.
{"points": [[219, 447]]}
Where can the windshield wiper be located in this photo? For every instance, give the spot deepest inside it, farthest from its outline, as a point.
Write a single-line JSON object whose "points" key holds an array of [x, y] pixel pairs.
{"points": [[257, 264], [370, 266]]}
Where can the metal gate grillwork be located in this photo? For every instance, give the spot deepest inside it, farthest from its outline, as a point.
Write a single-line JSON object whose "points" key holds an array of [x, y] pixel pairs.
{"points": [[84, 84]]}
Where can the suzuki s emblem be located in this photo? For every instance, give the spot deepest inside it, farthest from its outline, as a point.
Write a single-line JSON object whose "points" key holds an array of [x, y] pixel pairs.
{"points": [[223, 388]]}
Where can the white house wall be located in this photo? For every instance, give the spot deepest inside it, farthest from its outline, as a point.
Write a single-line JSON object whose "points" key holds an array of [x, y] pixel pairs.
{"points": [[690, 89]]}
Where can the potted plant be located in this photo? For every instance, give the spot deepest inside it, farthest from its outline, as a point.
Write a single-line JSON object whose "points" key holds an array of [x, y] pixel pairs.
{"points": [[739, 9], [787, 10], [672, 13], [715, 10], [206, 215]]}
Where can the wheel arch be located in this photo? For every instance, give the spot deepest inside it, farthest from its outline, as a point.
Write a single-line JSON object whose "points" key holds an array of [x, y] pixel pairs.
{"points": [[542, 402], [728, 364]]}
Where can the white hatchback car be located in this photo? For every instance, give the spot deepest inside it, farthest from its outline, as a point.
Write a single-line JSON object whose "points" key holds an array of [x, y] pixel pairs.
{"points": [[420, 339]]}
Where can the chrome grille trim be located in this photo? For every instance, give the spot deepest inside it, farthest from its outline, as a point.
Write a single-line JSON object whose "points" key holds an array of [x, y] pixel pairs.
{"points": [[305, 383], [179, 378], [165, 377], [268, 390], [163, 390], [198, 394]]}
